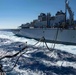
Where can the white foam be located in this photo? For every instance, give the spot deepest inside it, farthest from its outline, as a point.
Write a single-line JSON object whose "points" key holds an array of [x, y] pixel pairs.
{"points": [[28, 71], [10, 35], [67, 48]]}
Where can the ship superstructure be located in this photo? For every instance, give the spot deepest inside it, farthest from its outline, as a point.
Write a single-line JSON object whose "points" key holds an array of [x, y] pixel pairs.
{"points": [[46, 20], [49, 21]]}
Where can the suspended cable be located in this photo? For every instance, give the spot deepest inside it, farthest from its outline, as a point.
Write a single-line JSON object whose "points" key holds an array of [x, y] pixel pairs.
{"points": [[14, 55]]}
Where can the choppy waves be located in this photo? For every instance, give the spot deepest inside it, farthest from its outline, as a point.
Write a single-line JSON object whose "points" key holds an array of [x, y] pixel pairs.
{"points": [[36, 60], [13, 38]]}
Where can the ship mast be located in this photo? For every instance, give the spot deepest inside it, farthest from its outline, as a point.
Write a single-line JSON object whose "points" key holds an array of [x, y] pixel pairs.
{"points": [[71, 15], [65, 11]]}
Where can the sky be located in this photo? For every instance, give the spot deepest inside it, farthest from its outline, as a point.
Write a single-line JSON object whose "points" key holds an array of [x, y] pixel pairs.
{"points": [[13, 13]]}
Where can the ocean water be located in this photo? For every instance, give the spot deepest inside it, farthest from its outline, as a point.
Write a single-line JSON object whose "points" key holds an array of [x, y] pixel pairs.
{"points": [[33, 61], [9, 35]]}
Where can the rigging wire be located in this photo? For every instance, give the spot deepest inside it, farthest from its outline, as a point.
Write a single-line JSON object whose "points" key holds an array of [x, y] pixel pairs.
{"points": [[52, 48], [15, 63], [11, 56], [41, 39], [54, 40], [38, 41]]}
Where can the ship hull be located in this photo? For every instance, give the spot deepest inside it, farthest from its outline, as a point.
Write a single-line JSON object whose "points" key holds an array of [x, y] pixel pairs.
{"points": [[60, 36]]}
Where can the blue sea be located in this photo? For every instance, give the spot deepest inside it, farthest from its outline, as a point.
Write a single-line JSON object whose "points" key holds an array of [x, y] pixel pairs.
{"points": [[35, 60]]}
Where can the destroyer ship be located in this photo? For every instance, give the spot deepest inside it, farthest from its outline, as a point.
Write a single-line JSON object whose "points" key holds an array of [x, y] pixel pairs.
{"points": [[55, 29]]}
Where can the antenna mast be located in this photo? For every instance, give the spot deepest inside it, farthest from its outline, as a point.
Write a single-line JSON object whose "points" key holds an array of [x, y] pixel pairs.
{"points": [[65, 11]]}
